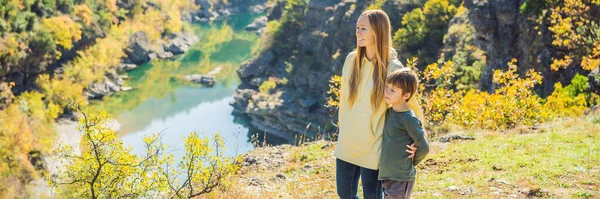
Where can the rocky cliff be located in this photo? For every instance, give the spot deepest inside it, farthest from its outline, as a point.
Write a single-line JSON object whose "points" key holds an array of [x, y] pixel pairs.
{"points": [[139, 51], [309, 48], [312, 49], [503, 32]]}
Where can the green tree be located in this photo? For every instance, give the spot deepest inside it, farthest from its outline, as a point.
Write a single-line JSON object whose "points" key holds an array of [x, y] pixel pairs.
{"points": [[292, 20], [465, 55], [65, 6], [42, 43], [44, 8], [423, 30], [4, 27], [580, 87], [11, 51], [23, 22], [294, 11]]}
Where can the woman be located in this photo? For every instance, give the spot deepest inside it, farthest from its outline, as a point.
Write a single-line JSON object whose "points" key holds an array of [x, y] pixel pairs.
{"points": [[362, 106]]}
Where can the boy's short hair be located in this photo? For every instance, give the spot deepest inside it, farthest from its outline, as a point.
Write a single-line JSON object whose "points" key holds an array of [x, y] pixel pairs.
{"points": [[404, 79]]}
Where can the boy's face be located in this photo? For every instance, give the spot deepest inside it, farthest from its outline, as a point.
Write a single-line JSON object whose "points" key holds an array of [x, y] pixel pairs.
{"points": [[395, 95]]}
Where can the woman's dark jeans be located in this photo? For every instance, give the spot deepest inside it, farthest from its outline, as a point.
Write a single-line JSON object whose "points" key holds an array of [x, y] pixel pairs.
{"points": [[346, 177]]}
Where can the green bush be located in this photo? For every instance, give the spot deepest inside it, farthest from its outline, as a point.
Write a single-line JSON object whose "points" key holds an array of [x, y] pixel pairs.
{"points": [[42, 42], [24, 22], [424, 29], [534, 7], [44, 8], [294, 11], [579, 86], [4, 26], [267, 86], [65, 6], [266, 40], [513, 103]]}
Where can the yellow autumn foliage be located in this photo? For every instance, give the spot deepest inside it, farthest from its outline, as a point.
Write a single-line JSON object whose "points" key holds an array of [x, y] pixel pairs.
{"points": [[106, 168], [26, 125], [574, 24], [84, 13], [512, 103], [64, 30]]}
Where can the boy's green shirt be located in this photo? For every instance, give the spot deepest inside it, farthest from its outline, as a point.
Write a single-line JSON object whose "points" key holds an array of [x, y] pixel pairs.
{"points": [[401, 129]]}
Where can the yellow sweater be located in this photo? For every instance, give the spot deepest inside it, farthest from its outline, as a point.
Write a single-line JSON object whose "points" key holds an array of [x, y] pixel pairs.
{"points": [[361, 128]]}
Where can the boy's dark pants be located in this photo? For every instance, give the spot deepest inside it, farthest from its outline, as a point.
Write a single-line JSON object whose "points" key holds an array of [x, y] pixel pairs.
{"points": [[397, 190], [347, 175]]}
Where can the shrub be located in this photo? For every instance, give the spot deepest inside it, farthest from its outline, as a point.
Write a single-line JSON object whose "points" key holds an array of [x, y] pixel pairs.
{"points": [[266, 40], [267, 86], [334, 92], [513, 103]]}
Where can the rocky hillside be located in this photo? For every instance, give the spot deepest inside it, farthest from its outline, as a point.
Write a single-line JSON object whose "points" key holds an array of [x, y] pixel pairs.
{"points": [[285, 87], [307, 49], [506, 30], [52, 52], [504, 34]]}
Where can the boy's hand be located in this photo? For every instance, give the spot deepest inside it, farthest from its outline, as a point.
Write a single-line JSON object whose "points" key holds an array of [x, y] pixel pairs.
{"points": [[412, 149]]}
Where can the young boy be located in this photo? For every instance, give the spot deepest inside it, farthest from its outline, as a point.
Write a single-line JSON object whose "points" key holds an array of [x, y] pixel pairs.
{"points": [[397, 170]]}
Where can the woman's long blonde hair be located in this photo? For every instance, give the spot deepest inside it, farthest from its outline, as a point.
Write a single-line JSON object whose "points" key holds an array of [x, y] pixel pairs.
{"points": [[380, 23]]}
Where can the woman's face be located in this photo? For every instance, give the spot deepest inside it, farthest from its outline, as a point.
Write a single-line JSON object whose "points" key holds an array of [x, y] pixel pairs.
{"points": [[364, 32]]}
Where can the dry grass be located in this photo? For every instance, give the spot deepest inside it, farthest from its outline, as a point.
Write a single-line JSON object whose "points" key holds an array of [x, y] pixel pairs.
{"points": [[558, 159]]}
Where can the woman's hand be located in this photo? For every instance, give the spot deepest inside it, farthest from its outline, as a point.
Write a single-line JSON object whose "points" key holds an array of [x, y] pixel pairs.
{"points": [[412, 149]]}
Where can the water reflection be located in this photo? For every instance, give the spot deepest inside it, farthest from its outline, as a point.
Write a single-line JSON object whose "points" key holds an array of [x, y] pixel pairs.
{"points": [[162, 102]]}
